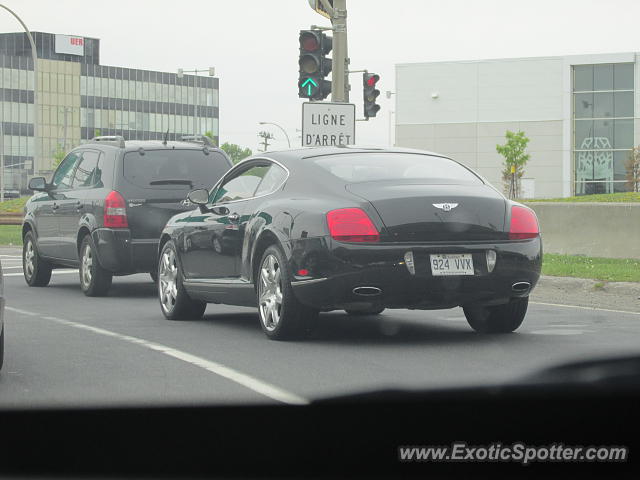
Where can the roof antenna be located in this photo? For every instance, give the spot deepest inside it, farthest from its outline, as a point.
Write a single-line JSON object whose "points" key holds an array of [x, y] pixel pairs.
{"points": [[164, 142]]}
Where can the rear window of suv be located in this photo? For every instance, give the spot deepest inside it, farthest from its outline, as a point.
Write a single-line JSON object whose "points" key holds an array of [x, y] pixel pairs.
{"points": [[174, 169], [369, 167]]}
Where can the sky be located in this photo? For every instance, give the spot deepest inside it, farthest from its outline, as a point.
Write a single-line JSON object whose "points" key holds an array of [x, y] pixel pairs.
{"points": [[253, 44]]}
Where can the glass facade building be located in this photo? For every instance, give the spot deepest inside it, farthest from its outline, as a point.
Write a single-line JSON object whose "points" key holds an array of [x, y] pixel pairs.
{"points": [[603, 114], [580, 113], [78, 99]]}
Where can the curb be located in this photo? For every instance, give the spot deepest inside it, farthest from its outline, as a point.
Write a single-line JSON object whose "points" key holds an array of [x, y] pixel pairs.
{"points": [[11, 219], [615, 288]]}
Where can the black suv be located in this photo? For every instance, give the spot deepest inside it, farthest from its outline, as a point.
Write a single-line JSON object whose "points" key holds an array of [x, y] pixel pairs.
{"points": [[107, 203]]}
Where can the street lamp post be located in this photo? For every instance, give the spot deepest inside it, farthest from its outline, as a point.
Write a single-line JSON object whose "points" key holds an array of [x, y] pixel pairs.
{"points": [[34, 55], [196, 117], [283, 130], [389, 93]]}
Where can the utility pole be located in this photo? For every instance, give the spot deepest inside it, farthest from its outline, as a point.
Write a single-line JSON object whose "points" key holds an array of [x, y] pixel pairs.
{"points": [[339, 78], [283, 130], [266, 136]]}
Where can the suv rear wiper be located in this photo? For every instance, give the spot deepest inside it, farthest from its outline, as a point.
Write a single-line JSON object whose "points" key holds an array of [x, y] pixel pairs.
{"points": [[172, 182]]}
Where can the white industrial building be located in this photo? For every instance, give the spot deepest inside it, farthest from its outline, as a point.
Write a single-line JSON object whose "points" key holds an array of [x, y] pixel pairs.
{"points": [[578, 111]]}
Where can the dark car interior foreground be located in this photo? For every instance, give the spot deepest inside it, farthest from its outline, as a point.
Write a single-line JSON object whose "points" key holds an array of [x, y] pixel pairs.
{"points": [[357, 436]]}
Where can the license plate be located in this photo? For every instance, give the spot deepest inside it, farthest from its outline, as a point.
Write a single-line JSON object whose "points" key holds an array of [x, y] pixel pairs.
{"points": [[451, 264]]}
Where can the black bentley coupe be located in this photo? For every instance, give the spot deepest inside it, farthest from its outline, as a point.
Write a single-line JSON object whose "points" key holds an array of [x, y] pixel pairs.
{"points": [[361, 229]]}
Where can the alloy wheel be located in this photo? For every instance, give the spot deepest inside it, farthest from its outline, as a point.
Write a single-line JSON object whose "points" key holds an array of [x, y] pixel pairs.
{"points": [[86, 264], [168, 285], [270, 293], [29, 259]]}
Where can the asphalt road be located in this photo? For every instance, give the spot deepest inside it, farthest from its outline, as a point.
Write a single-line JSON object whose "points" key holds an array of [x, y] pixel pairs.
{"points": [[64, 349]]}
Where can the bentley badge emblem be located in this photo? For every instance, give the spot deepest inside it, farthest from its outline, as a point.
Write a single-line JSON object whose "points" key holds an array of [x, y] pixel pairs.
{"points": [[447, 207]]}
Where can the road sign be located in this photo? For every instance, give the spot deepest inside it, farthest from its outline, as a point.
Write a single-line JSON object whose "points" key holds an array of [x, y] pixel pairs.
{"points": [[327, 124], [320, 8]]}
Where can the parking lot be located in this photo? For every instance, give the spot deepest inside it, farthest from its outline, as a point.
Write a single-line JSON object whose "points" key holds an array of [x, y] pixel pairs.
{"points": [[63, 348]]}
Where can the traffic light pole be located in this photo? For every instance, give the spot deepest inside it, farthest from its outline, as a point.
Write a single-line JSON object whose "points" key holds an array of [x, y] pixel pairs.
{"points": [[339, 77]]}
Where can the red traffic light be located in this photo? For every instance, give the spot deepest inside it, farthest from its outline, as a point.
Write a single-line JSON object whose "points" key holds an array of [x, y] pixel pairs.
{"points": [[372, 80], [309, 42]]}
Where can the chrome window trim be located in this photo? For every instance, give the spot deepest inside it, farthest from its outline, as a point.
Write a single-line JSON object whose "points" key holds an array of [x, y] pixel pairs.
{"points": [[269, 159]]}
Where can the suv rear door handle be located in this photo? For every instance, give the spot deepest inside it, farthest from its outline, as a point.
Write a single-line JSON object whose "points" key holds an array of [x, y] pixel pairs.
{"points": [[79, 205], [233, 217], [55, 206]]}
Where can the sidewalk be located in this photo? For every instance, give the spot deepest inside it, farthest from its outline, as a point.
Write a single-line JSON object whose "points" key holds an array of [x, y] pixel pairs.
{"points": [[587, 293]]}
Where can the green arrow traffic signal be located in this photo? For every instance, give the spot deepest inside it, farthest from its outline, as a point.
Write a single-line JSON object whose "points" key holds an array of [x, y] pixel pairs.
{"points": [[314, 64], [309, 83]]}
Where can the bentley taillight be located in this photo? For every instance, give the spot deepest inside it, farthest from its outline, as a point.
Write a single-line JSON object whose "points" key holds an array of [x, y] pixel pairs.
{"points": [[524, 223], [351, 225]]}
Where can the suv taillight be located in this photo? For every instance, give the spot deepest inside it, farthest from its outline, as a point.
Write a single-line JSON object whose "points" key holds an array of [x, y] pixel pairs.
{"points": [[351, 225], [115, 211], [524, 223]]}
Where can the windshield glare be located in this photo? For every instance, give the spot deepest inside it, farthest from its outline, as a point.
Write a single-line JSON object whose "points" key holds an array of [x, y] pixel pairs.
{"points": [[396, 166]]}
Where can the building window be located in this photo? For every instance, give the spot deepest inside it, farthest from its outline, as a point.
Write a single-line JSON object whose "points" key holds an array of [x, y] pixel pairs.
{"points": [[603, 126]]}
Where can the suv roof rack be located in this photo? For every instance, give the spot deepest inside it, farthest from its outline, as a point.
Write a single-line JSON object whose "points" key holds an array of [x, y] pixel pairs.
{"points": [[203, 139], [115, 140]]}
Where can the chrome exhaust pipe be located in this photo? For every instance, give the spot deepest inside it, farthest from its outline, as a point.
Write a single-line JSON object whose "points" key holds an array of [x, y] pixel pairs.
{"points": [[521, 287], [367, 291]]}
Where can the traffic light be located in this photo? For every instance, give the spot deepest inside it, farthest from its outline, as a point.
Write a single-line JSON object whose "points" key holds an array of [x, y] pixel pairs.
{"points": [[370, 94], [314, 66]]}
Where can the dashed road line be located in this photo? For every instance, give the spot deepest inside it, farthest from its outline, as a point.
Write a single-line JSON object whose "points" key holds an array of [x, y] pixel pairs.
{"points": [[55, 272]]}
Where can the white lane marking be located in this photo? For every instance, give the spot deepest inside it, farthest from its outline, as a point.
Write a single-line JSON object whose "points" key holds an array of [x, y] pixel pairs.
{"points": [[7, 268], [559, 331], [10, 256], [585, 308], [22, 312], [55, 272], [247, 381], [567, 325]]}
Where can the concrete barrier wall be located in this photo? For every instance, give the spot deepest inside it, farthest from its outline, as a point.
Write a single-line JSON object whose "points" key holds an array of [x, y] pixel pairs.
{"points": [[592, 229]]}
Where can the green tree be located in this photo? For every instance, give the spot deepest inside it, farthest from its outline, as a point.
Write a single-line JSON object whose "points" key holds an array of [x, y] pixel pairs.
{"points": [[58, 156], [236, 152], [209, 134], [515, 159], [633, 170]]}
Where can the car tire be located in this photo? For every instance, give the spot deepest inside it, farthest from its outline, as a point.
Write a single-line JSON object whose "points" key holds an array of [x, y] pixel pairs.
{"points": [[368, 311], [282, 316], [95, 281], [498, 319], [37, 272], [175, 302]]}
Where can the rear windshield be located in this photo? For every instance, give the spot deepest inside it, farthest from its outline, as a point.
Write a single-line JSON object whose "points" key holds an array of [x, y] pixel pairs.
{"points": [[369, 167], [174, 169]]}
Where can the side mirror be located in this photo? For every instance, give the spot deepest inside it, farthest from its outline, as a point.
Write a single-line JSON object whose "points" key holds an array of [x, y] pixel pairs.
{"points": [[199, 196], [220, 210], [38, 184]]}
